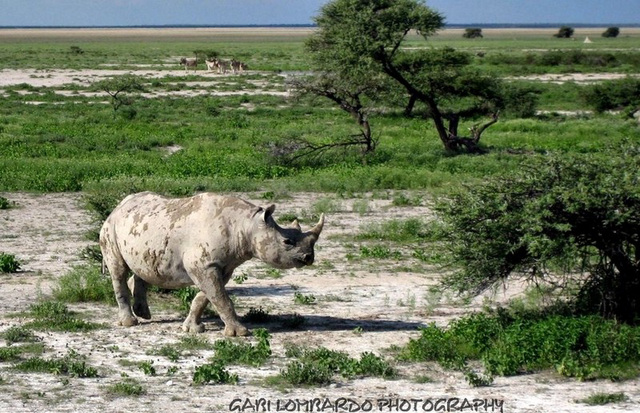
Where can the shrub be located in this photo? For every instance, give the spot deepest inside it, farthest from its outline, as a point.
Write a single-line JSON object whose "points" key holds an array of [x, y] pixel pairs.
{"points": [[8, 263], [228, 352], [611, 32], [519, 101], [510, 343], [318, 366], [5, 203], [577, 215], [53, 315], [84, 284], [127, 387], [565, 32], [613, 94], [472, 33], [213, 373], [19, 334], [70, 365]]}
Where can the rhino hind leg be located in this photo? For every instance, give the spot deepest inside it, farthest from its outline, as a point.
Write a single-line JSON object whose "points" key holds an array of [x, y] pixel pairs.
{"points": [[138, 288], [126, 318], [118, 269], [192, 323]]}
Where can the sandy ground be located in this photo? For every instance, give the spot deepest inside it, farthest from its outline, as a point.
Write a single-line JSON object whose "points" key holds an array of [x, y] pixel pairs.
{"points": [[362, 305]]}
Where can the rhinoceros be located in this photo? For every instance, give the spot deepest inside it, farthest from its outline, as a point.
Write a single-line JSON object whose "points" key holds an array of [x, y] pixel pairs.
{"points": [[178, 242]]}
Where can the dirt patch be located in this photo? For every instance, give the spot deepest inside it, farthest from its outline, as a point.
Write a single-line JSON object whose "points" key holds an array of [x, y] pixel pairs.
{"points": [[361, 305]]}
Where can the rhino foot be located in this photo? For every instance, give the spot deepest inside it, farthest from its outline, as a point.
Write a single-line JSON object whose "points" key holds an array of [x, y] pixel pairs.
{"points": [[128, 321], [193, 327], [237, 330], [142, 311]]}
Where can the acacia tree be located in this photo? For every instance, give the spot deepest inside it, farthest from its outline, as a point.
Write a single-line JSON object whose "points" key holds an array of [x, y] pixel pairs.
{"points": [[360, 39], [570, 220], [352, 97], [121, 88]]}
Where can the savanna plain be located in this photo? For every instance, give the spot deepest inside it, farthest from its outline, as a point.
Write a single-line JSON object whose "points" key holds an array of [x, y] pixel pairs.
{"points": [[339, 335]]}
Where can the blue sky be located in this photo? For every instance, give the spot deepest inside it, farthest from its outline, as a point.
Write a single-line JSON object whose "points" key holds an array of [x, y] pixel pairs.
{"points": [[237, 12]]}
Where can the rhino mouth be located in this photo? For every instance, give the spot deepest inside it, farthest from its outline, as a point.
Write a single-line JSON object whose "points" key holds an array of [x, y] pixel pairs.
{"points": [[305, 260]]}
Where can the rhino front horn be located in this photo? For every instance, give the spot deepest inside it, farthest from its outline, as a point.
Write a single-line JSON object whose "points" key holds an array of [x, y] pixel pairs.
{"points": [[318, 227]]}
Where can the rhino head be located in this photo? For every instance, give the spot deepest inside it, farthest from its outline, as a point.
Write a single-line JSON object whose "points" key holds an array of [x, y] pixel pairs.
{"points": [[283, 247]]}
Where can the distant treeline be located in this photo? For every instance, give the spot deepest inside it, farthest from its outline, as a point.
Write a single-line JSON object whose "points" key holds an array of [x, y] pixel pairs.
{"points": [[447, 26]]}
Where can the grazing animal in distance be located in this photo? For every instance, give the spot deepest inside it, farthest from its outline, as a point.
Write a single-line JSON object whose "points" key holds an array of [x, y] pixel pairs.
{"points": [[212, 64], [189, 63], [238, 66], [201, 240]]}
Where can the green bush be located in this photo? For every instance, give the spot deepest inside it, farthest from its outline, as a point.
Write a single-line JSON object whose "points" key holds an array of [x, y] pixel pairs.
{"points": [[8, 263], [565, 32], [613, 95], [611, 32], [509, 343], [53, 315], [213, 373], [70, 365], [127, 387], [84, 284], [228, 352], [318, 366], [577, 215], [5, 203]]}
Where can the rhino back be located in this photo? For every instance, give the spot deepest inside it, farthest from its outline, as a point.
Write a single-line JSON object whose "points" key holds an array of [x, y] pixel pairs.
{"points": [[156, 234]]}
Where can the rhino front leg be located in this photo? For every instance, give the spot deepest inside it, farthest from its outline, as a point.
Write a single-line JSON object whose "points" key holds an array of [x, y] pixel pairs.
{"points": [[138, 288], [192, 324], [211, 283]]}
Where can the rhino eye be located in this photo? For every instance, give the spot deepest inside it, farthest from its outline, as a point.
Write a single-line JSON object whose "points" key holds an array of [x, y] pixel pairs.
{"points": [[288, 241]]}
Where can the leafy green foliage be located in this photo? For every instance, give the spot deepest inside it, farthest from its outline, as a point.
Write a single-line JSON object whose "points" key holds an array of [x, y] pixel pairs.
{"points": [[120, 89], [127, 387], [614, 95], [564, 214], [228, 352], [172, 352], [380, 252], [214, 373], [147, 368], [5, 203], [71, 364], [19, 334], [564, 32], [409, 230], [472, 33], [9, 353], [599, 399], [511, 343], [318, 366], [611, 32], [9, 263], [303, 299], [84, 284], [54, 315]]}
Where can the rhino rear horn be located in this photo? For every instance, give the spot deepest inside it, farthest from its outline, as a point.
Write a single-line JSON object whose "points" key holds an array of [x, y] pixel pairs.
{"points": [[317, 229]]}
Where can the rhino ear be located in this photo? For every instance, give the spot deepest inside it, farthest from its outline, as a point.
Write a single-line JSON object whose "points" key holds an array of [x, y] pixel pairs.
{"points": [[268, 213]]}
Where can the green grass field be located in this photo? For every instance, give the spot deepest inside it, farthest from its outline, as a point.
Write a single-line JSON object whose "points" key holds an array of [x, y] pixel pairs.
{"points": [[66, 137]]}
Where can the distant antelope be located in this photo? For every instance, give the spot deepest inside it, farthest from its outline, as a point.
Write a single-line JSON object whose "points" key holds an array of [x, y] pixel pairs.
{"points": [[187, 63], [237, 66], [223, 66], [212, 64]]}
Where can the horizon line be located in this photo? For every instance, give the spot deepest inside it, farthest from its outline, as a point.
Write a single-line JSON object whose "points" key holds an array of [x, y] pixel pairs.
{"points": [[446, 26]]}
